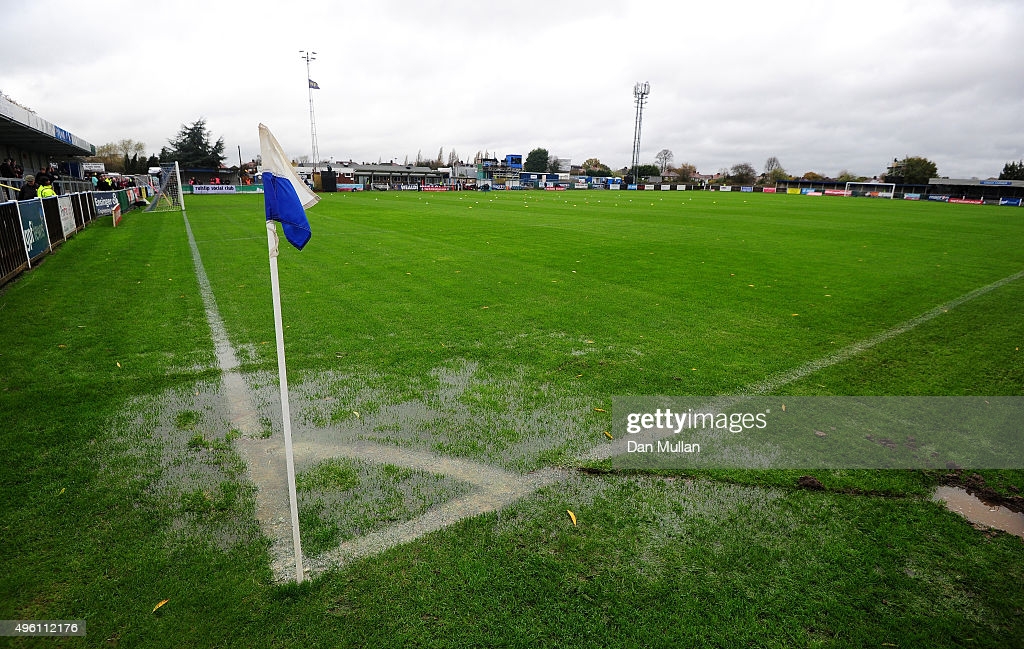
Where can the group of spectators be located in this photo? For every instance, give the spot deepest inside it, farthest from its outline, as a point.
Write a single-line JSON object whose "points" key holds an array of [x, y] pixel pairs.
{"points": [[103, 182], [39, 185], [11, 169]]}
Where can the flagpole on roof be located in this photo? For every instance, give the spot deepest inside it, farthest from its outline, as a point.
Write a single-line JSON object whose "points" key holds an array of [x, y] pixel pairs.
{"points": [[311, 56]]}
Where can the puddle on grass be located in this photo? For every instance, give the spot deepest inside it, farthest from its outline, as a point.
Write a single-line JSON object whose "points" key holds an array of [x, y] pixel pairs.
{"points": [[979, 512]]}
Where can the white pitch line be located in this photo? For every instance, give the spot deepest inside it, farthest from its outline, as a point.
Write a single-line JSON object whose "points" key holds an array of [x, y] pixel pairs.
{"points": [[773, 383], [492, 488], [264, 463]]}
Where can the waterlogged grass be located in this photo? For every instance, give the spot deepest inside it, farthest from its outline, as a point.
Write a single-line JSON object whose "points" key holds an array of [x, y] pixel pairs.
{"points": [[114, 502], [341, 498]]}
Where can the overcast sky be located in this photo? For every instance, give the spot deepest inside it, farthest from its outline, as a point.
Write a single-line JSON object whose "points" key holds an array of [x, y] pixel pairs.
{"points": [[824, 86]]}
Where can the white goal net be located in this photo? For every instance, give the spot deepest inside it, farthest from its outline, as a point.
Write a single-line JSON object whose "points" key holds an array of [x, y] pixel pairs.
{"points": [[168, 195], [874, 190]]}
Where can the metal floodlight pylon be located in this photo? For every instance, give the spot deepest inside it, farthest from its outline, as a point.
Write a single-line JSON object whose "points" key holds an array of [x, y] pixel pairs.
{"points": [[640, 92]]}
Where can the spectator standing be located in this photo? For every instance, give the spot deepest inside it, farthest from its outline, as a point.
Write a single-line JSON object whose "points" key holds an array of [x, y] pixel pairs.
{"points": [[7, 168], [45, 187], [28, 189]]}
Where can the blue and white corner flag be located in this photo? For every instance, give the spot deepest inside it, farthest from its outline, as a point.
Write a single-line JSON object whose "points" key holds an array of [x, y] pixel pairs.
{"points": [[286, 196], [313, 84]]}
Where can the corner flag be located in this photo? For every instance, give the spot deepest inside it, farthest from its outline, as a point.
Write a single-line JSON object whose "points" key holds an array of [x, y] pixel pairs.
{"points": [[286, 196]]}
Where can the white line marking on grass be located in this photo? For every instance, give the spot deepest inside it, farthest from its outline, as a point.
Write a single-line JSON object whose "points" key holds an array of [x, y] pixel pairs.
{"points": [[265, 466], [493, 488], [773, 383], [226, 358]]}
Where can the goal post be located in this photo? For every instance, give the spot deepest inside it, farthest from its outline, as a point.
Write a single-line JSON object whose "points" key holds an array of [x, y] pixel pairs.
{"points": [[874, 190], [168, 196]]}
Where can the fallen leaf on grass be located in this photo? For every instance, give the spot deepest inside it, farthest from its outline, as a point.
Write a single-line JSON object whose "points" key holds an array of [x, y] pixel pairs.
{"points": [[600, 410], [783, 407], [118, 363], [356, 413], [159, 604], [572, 517], [608, 435], [820, 433]]}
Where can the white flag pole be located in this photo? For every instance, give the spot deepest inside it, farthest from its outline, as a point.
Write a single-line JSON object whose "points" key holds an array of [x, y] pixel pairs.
{"points": [[286, 416]]}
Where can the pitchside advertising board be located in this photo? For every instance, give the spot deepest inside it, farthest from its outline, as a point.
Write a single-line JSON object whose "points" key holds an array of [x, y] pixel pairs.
{"points": [[33, 227], [105, 202], [67, 215], [213, 189]]}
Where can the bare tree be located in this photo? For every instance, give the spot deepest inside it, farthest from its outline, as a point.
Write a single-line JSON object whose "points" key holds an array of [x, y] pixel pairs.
{"points": [[773, 171], [664, 159]]}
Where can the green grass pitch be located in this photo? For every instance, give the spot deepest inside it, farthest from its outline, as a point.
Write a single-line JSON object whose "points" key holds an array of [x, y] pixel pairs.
{"points": [[495, 327]]}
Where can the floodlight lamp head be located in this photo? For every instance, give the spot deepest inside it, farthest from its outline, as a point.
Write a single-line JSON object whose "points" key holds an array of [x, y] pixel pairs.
{"points": [[641, 90]]}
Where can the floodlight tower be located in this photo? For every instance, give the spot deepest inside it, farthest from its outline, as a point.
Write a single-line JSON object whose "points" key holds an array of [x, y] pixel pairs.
{"points": [[311, 56], [640, 92]]}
